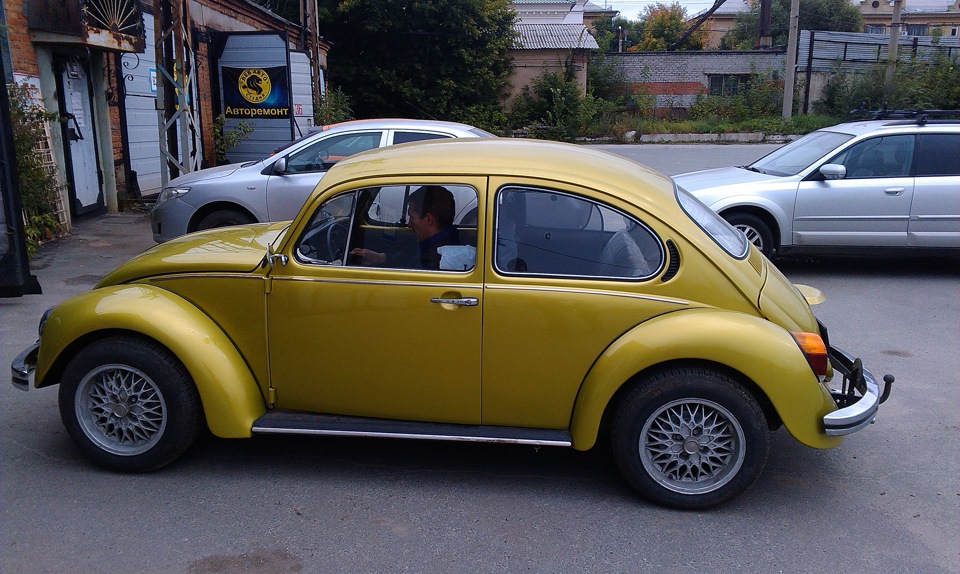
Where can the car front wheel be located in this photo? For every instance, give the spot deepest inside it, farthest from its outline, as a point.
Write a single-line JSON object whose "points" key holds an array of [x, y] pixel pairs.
{"points": [[755, 230], [689, 438], [129, 404]]}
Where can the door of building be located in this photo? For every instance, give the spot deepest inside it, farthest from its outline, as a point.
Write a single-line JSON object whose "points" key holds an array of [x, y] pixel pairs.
{"points": [[79, 140]]}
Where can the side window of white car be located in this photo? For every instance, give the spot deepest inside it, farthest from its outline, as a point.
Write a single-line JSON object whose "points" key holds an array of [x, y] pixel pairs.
{"points": [[321, 155], [887, 156], [938, 155], [543, 232]]}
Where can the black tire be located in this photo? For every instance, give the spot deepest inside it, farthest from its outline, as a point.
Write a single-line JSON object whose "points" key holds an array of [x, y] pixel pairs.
{"points": [[756, 231], [129, 404], [689, 438], [223, 218]]}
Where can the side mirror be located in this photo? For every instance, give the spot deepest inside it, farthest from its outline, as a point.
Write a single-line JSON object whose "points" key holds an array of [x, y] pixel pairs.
{"points": [[833, 171], [280, 166]]}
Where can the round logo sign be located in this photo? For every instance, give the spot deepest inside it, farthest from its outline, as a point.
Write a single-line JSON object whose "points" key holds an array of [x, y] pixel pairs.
{"points": [[254, 84]]}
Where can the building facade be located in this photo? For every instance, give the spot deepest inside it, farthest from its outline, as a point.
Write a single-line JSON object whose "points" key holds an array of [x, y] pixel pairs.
{"points": [[94, 63]]}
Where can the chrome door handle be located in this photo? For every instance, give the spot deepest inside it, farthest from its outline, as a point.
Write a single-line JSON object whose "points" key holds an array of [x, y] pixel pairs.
{"points": [[461, 301], [894, 191]]}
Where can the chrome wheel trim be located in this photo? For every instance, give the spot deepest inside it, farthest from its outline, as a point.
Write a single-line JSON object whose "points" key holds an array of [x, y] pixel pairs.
{"points": [[120, 409], [692, 446], [752, 235]]}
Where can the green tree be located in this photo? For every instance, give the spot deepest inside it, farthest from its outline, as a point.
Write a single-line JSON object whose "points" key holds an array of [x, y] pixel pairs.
{"points": [[445, 59], [609, 31], [834, 15], [662, 24]]}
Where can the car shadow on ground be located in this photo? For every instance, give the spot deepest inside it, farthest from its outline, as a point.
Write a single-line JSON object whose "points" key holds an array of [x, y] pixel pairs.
{"points": [[872, 265]]}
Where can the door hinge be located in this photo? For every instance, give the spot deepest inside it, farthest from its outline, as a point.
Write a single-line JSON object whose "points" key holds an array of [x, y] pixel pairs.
{"points": [[271, 396], [267, 285]]}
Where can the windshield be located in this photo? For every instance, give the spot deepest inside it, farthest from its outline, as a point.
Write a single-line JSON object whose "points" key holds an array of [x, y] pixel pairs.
{"points": [[731, 240], [797, 156]]}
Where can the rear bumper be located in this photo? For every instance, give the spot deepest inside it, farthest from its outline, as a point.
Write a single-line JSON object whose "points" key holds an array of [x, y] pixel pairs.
{"points": [[23, 366], [859, 397]]}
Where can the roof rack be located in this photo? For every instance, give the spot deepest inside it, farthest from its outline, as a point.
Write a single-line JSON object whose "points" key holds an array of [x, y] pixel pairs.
{"points": [[920, 116]]}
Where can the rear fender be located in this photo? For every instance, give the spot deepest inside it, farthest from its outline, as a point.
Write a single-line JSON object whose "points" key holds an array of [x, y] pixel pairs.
{"points": [[756, 348], [230, 395]]}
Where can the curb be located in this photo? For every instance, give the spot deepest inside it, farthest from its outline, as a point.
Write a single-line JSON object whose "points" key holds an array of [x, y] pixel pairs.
{"points": [[744, 137]]}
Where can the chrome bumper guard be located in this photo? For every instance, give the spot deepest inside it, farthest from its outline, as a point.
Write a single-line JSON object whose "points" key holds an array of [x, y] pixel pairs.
{"points": [[23, 366], [858, 398]]}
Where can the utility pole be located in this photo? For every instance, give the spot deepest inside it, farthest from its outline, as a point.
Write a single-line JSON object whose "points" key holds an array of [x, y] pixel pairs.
{"points": [[895, 25], [766, 10], [790, 75]]}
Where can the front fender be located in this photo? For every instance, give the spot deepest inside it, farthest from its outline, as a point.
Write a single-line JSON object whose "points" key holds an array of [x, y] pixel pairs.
{"points": [[758, 349], [230, 395]]}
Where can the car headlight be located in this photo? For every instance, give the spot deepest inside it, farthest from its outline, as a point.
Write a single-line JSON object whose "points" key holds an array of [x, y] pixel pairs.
{"points": [[172, 193]]}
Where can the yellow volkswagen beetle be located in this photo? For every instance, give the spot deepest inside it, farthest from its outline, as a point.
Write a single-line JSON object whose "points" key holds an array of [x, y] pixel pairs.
{"points": [[476, 290]]}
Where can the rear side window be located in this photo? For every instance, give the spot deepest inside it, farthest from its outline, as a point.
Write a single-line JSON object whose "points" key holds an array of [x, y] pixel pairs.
{"points": [[543, 232], [407, 137], [938, 154]]}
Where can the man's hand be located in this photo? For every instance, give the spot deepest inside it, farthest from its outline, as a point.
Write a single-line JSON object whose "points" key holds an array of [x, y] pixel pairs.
{"points": [[368, 257]]}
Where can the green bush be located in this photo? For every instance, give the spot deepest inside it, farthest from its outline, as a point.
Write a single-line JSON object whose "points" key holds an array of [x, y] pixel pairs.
{"points": [[39, 188], [224, 139], [916, 85], [333, 107]]}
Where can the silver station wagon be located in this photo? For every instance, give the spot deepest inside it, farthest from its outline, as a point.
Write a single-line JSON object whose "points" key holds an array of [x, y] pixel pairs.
{"points": [[274, 189], [873, 185]]}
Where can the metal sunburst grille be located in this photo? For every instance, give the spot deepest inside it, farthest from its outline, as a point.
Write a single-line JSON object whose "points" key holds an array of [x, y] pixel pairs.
{"points": [[119, 16]]}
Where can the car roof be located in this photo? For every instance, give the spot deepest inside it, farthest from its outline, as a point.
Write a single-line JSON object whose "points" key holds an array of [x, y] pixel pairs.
{"points": [[399, 123], [857, 128], [540, 159]]}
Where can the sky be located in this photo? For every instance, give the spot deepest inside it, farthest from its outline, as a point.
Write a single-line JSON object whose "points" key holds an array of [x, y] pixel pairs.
{"points": [[630, 9]]}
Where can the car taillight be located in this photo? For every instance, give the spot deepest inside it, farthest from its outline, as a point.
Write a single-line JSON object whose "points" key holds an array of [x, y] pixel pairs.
{"points": [[814, 350]]}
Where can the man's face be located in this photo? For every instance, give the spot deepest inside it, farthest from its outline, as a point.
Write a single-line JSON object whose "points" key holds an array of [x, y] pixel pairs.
{"points": [[422, 225]]}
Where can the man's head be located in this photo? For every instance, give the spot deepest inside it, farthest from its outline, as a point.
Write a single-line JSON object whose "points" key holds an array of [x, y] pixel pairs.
{"points": [[430, 209]]}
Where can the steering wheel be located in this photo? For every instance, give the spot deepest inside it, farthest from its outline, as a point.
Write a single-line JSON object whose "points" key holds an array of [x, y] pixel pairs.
{"points": [[325, 242]]}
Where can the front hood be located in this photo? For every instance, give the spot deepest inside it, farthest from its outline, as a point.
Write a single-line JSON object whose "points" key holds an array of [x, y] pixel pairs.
{"points": [[721, 176], [205, 174], [238, 249]]}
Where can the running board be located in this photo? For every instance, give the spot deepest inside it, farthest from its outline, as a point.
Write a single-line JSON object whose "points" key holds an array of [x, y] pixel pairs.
{"points": [[294, 422]]}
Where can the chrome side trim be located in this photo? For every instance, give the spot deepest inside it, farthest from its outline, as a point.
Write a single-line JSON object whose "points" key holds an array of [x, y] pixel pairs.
{"points": [[376, 434], [588, 292], [380, 282]]}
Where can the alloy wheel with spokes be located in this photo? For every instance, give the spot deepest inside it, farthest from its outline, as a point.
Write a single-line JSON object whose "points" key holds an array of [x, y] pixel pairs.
{"points": [[689, 437], [129, 404], [692, 446], [121, 409]]}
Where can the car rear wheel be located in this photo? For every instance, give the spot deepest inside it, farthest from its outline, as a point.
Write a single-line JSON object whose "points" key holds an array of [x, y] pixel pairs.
{"points": [[755, 230], [129, 404], [223, 218], [689, 438]]}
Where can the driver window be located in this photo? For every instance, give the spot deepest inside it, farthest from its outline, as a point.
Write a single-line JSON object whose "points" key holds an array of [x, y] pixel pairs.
{"points": [[325, 240], [888, 156], [321, 155], [431, 227]]}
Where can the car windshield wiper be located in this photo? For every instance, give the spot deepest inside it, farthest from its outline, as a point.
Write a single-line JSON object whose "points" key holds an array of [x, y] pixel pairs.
{"points": [[751, 168]]}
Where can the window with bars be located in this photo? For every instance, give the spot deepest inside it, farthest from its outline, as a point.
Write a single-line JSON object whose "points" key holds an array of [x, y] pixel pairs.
{"points": [[728, 84]]}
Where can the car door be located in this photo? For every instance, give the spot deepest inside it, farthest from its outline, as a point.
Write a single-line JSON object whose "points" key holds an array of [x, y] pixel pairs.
{"points": [[869, 207], [306, 165], [935, 213], [391, 341]]}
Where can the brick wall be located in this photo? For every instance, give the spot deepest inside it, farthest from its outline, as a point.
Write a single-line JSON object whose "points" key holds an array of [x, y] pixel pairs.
{"points": [[676, 78], [22, 54]]}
